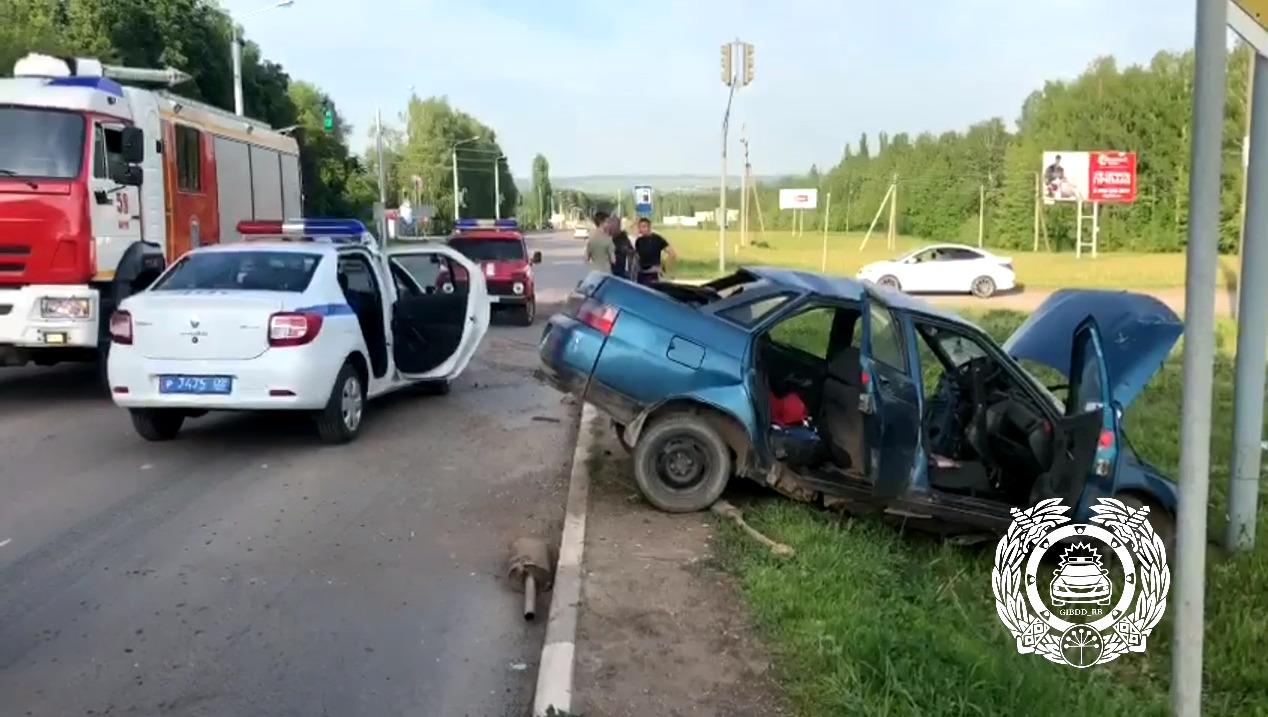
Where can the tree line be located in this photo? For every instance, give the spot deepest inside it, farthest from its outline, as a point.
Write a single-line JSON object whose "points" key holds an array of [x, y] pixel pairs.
{"points": [[944, 180], [196, 36]]}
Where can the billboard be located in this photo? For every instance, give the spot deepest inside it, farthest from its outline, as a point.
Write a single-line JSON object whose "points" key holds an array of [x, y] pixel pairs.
{"points": [[798, 198], [1089, 177]]}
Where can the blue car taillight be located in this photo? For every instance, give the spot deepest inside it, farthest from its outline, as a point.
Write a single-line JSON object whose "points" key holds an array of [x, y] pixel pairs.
{"points": [[598, 316]]}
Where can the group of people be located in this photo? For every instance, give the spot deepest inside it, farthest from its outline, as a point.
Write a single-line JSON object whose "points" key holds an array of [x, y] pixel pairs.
{"points": [[609, 250]]}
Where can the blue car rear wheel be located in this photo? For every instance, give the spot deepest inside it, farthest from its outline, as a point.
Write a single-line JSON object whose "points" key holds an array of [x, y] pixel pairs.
{"points": [[681, 463]]}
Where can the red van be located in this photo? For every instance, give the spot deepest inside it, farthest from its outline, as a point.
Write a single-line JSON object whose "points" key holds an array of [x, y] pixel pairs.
{"points": [[498, 247]]}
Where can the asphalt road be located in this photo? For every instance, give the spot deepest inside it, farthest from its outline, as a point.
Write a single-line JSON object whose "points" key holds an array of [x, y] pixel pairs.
{"points": [[244, 569]]}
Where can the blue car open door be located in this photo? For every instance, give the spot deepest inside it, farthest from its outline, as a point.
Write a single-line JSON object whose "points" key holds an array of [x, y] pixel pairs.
{"points": [[1088, 447], [890, 405]]}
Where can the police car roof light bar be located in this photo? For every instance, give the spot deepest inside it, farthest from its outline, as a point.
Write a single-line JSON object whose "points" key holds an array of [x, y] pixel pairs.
{"points": [[511, 224], [340, 230]]}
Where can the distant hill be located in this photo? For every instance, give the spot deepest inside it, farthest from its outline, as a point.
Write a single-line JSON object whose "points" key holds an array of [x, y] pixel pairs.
{"points": [[609, 184]]}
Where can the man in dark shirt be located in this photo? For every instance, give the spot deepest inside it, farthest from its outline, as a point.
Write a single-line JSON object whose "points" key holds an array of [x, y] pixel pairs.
{"points": [[651, 249]]}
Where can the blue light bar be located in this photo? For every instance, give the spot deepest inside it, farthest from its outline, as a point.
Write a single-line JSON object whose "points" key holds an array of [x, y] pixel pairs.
{"points": [[104, 84], [510, 224]]}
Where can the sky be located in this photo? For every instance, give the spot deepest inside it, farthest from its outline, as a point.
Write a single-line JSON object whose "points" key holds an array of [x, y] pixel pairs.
{"points": [[633, 88]]}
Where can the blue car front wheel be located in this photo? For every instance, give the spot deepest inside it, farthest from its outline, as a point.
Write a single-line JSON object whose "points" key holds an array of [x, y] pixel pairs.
{"points": [[681, 463]]}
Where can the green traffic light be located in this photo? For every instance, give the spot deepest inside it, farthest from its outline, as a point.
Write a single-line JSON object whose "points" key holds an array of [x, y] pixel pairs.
{"points": [[328, 120]]}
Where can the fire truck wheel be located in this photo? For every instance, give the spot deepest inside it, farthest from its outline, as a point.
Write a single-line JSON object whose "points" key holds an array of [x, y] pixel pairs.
{"points": [[157, 424]]}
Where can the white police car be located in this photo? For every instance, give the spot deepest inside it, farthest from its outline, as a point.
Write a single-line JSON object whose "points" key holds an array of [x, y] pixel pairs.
{"points": [[320, 324]]}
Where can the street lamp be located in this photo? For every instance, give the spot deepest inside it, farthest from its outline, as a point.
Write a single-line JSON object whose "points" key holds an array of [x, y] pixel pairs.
{"points": [[497, 186], [236, 49], [454, 152]]}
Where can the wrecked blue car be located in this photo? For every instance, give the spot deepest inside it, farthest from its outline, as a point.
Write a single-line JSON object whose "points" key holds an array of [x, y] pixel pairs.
{"points": [[858, 396]]}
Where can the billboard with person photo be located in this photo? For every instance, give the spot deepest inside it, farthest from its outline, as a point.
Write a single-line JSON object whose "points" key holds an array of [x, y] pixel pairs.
{"points": [[1088, 176]]}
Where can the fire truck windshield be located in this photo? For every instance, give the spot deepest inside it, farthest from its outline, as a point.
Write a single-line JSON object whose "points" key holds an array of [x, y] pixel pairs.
{"points": [[46, 144]]}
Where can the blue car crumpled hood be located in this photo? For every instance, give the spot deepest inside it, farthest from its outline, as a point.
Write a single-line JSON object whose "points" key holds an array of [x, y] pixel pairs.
{"points": [[1137, 333]]}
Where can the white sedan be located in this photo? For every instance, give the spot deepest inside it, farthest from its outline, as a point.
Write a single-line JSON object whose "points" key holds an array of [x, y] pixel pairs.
{"points": [[580, 233], [944, 268], [319, 325]]}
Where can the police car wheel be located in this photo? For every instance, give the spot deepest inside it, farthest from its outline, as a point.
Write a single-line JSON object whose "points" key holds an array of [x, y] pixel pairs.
{"points": [[340, 421], [681, 463], [157, 424]]}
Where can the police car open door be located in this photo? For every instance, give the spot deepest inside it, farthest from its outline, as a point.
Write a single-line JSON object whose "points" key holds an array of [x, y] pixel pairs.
{"points": [[440, 313]]}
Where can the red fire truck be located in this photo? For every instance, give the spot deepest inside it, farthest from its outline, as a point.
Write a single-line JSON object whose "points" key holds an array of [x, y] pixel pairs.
{"points": [[101, 185]]}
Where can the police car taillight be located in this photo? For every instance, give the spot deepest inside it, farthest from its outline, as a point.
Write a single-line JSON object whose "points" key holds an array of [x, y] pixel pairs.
{"points": [[121, 327], [292, 328]]}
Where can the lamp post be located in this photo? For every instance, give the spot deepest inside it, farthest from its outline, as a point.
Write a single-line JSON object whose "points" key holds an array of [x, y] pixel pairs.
{"points": [[497, 186], [236, 50], [454, 152]]}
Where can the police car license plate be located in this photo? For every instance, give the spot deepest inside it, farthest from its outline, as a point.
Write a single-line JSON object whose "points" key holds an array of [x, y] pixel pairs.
{"points": [[216, 385]]}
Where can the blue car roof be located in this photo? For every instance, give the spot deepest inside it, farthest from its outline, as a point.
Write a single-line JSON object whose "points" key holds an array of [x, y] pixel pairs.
{"points": [[841, 287]]}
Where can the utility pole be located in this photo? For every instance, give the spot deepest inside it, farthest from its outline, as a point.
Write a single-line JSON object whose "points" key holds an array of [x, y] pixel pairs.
{"points": [[1209, 74], [731, 77]]}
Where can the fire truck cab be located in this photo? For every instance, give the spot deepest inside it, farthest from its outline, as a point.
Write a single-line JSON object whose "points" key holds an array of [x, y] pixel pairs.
{"points": [[102, 184]]}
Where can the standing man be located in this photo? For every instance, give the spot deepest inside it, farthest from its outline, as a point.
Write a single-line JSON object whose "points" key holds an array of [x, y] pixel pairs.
{"points": [[623, 265], [655, 255], [600, 252]]}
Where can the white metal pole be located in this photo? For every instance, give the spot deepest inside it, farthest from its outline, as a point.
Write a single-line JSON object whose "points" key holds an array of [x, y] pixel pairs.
{"points": [[1078, 231], [378, 143], [722, 208], [981, 213], [455, 184], [1209, 74], [823, 264], [235, 51], [1096, 227], [1252, 332], [497, 189]]}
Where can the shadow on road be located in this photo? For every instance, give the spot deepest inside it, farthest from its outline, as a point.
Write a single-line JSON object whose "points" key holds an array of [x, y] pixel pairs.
{"points": [[36, 384]]}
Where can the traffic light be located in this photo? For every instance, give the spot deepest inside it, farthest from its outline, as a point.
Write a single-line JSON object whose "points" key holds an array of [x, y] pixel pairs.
{"points": [[748, 63], [328, 119], [728, 76]]}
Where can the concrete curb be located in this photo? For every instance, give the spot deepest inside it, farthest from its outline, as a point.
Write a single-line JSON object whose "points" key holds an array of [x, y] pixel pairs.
{"points": [[554, 672]]}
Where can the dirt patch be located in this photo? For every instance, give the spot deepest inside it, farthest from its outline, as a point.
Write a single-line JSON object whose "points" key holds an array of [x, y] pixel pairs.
{"points": [[662, 630]]}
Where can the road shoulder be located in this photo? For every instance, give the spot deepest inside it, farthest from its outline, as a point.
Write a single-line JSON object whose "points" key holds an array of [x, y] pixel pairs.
{"points": [[662, 630]]}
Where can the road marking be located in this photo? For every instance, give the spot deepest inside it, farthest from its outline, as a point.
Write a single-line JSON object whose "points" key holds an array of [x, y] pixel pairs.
{"points": [[5, 542]]}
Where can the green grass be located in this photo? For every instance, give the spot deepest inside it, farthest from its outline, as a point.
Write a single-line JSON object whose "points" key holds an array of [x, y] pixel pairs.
{"points": [[865, 620], [698, 258]]}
